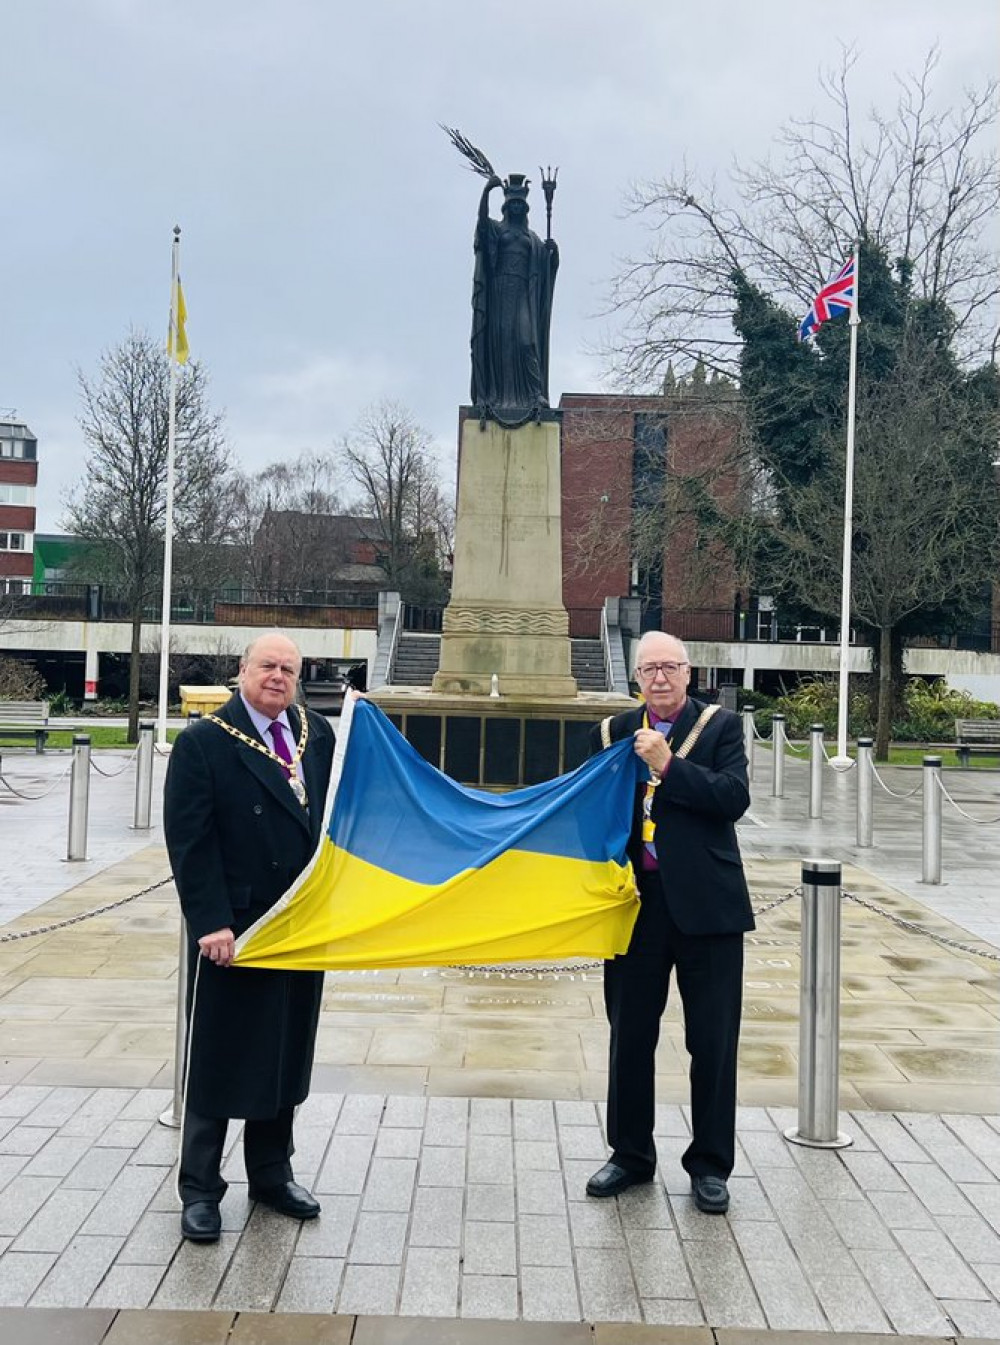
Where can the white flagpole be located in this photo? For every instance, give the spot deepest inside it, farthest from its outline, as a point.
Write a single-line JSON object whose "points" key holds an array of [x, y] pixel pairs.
{"points": [[842, 759], [168, 521]]}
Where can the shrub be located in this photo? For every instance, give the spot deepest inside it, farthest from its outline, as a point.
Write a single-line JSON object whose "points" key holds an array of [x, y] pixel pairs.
{"points": [[931, 708], [20, 681]]}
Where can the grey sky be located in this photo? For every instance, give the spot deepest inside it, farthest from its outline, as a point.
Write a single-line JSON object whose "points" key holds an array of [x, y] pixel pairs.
{"points": [[327, 245]]}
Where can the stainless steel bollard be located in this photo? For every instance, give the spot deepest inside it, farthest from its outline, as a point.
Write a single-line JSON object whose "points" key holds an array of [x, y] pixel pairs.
{"points": [[866, 806], [819, 1009], [815, 770], [79, 797], [143, 779], [174, 1114], [748, 737], [778, 756], [932, 820]]}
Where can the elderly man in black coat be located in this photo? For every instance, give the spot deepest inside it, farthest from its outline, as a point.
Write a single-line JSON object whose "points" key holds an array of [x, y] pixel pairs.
{"points": [[695, 909], [243, 807]]}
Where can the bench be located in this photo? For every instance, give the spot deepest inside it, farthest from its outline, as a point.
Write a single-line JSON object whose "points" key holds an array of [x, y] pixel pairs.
{"points": [[981, 736], [25, 719]]}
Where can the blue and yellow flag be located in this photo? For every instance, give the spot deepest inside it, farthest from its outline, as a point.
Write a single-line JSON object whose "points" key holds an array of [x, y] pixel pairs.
{"points": [[415, 870]]}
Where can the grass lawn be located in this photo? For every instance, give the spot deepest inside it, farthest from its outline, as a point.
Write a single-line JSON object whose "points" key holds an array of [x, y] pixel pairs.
{"points": [[911, 754], [100, 736]]}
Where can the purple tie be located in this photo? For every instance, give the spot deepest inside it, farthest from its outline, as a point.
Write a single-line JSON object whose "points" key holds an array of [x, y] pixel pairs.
{"points": [[281, 747]]}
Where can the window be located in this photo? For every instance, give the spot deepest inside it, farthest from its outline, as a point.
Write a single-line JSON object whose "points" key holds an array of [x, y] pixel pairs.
{"points": [[12, 541], [13, 494], [17, 588]]}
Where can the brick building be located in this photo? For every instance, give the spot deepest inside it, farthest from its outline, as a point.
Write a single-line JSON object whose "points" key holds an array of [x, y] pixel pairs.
{"points": [[18, 477], [629, 463]]}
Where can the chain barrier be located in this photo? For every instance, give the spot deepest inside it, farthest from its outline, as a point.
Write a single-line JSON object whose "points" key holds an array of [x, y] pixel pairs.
{"points": [[891, 792], [112, 775], [913, 928], [33, 798], [778, 901], [757, 733], [979, 821], [84, 915], [840, 770]]}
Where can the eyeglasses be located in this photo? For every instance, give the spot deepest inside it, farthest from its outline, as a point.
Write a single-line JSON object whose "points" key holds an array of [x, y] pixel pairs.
{"points": [[649, 670]]}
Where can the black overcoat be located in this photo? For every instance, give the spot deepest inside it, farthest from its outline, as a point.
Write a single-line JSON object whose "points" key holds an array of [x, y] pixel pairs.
{"points": [[237, 838], [695, 809]]}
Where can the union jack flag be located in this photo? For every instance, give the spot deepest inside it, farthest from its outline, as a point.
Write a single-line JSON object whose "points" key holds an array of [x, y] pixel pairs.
{"points": [[837, 297]]}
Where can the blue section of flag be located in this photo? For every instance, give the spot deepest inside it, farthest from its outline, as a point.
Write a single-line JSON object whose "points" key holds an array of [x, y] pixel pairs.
{"points": [[836, 297], [396, 811]]}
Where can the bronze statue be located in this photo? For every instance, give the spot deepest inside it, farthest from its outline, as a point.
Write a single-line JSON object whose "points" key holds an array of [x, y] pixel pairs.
{"points": [[512, 288]]}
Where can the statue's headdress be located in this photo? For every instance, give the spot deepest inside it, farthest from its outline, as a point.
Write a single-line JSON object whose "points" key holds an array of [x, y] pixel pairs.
{"points": [[515, 189]]}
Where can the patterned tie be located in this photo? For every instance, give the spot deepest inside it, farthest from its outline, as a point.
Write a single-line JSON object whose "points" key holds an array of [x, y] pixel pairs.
{"points": [[277, 731]]}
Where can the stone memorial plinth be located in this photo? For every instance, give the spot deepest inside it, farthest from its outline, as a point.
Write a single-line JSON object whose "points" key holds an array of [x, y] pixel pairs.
{"points": [[506, 616]]}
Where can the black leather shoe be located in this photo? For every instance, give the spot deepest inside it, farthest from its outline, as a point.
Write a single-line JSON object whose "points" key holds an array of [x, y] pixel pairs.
{"points": [[610, 1179], [287, 1198], [201, 1221], [711, 1194]]}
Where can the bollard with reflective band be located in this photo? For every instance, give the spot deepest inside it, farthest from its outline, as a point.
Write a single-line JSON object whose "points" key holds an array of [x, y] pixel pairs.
{"points": [[778, 756], [932, 820], [866, 805], [748, 740], [819, 1009], [79, 797], [816, 770], [143, 779], [175, 1112]]}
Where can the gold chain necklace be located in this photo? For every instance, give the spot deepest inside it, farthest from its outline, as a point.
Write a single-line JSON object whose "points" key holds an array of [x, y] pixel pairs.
{"points": [[294, 783]]}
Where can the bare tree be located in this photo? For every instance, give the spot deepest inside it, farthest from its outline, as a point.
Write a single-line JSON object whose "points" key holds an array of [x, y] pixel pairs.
{"points": [[921, 183], [925, 524], [120, 503], [282, 520], [389, 458]]}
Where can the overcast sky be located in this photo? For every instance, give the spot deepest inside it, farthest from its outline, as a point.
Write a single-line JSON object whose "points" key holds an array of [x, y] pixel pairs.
{"points": [[327, 223]]}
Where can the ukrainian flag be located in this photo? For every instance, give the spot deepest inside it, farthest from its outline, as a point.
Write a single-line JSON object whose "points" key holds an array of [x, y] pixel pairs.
{"points": [[415, 870]]}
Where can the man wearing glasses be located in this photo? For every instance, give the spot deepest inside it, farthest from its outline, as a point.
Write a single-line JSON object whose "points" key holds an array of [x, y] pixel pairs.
{"points": [[695, 909]]}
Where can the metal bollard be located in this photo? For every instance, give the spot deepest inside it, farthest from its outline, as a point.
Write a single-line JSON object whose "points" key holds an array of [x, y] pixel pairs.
{"points": [[174, 1114], [866, 806], [79, 797], [748, 737], [815, 770], [143, 779], [778, 756], [819, 1009], [932, 820]]}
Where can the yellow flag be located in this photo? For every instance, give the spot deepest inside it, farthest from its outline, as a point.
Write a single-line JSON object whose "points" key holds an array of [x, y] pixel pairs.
{"points": [[177, 348]]}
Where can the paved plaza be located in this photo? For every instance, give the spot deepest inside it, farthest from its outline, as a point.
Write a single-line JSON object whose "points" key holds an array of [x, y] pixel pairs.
{"points": [[456, 1114]]}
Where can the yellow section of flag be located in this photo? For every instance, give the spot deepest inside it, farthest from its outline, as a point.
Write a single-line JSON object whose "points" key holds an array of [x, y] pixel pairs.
{"points": [[177, 342]]}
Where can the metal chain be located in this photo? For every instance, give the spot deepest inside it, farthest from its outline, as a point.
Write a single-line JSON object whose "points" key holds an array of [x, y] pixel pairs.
{"points": [[84, 915], [914, 928], [778, 901], [33, 798], [979, 821], [891, 792], [111, 775]]}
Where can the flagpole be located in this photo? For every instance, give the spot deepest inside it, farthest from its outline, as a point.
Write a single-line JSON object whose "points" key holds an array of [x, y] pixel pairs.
{"points": [[842, 759], [168, 522]]}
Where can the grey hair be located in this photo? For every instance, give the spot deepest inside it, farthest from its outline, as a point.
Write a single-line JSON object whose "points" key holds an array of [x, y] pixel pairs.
{"points": [[654, 634]]}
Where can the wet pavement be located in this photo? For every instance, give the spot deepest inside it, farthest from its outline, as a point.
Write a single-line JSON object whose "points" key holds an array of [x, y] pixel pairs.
{"points": [[456, 1114]]}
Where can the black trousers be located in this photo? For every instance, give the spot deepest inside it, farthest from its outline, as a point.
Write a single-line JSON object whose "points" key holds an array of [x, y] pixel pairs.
{"points": [[709, 970], [267, 1152]]}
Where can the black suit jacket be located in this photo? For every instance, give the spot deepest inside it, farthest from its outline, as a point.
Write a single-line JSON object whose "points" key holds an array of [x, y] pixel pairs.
{"points": [[237, 838], [695, 809]]}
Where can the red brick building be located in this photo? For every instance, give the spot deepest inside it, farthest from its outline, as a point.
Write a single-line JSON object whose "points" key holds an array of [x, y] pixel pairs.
{"points": [[632, 464], [18, 478]]}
